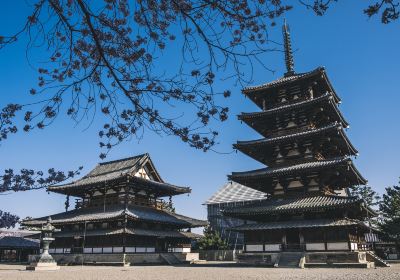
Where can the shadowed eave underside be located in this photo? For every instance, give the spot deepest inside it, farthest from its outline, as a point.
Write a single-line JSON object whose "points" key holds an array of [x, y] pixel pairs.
{"points": [[254, 178], [301, 224], [253, 147], [301, 105], [275, 206], [140, 213]]}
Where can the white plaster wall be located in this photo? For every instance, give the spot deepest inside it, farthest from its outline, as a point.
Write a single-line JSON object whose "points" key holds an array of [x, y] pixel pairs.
{"points": [[354, 246], [186, 250], [118, 249], [338, 246], [140, 250], [315, 246], [87, 250], [107, 250], [96, 250], [272, 247], [130, 249], [254, 248]]}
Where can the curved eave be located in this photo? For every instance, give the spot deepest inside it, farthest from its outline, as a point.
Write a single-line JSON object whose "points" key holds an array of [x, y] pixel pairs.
{"points": [[317, 223], [259, 210], [253, 145], [254, 91], [281, 82], [352, 149], [137, 213], [361, 180], [159, 186], [253, 178], [329, 84], [79, 190], [255, 116]]}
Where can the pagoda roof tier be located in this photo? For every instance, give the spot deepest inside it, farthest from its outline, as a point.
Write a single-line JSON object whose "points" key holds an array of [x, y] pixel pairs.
{"points": [[259, 120], [130, 231], [116, 212], [276, 206], [124, 171], [261, 179], [256, 93], [262, 149], [317, 223]]}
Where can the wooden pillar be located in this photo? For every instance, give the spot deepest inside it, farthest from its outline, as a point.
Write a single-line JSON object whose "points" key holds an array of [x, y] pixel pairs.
{"points": [[348, 238], [301, 237], [263, 239], [124, 234]]}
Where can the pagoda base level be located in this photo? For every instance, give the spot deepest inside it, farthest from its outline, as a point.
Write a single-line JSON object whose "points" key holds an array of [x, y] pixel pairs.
{"points": [[307, 259]]}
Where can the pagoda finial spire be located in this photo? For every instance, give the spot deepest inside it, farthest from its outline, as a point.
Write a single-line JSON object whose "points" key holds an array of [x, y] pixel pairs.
{"points": [[288, 50]]}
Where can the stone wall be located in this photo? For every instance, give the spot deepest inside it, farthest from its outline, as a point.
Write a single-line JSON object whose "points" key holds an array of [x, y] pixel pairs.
{"points": [[264, 259], [335, 257], [217, 255]]}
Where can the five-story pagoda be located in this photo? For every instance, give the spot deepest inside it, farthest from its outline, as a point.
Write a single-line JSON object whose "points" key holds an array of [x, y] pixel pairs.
{"points": [[309, 168]]}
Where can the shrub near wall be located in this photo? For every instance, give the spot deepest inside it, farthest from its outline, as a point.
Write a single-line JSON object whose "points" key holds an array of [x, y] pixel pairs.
{"points": [[217, 255]]}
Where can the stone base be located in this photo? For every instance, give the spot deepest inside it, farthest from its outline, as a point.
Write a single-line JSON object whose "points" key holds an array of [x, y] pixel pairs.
{"points": [[340, 265], [43, 266], [117, 259]]}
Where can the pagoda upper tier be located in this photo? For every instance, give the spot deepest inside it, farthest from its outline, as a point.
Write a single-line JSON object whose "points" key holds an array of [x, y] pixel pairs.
{"points": [[316, 175], [133, 175], [304, 141], [300, 114], [294, 86], [324, 142]]}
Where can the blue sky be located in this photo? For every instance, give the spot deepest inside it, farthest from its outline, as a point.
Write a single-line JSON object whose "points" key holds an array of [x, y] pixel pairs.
{"points": [[362, 60]]}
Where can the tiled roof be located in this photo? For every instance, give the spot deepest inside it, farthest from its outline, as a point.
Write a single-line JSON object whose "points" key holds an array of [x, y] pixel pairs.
{"points": [[115, 212], [277, 171], [289, 137], [283, 80], [18, 242], [16, 233], [298, 224], [297, 105], [234, 192], [106, 171], [131, 231], [287, 107], [298, 204], [113, 171], [261, 148]]}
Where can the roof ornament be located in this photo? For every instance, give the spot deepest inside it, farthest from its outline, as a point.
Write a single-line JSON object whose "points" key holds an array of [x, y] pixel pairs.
{"points": [[288, 50]]}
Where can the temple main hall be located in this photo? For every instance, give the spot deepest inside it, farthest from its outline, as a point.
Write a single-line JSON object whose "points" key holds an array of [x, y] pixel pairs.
{"points": [[123, 213], [309, 218]]}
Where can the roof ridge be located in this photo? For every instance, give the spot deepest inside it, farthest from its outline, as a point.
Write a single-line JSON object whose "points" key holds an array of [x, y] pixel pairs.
{"points": [[282, 79], [123, 159], [328, 94], [295, 134]]}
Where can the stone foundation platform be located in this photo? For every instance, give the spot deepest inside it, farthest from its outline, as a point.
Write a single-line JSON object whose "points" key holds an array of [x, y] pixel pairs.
{"points": [[307, 259], [118, 259]]}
